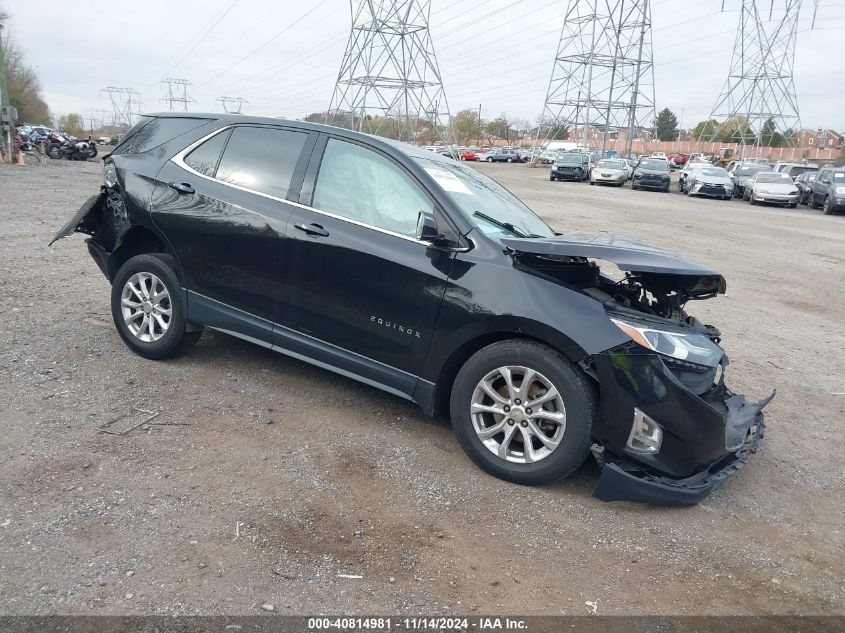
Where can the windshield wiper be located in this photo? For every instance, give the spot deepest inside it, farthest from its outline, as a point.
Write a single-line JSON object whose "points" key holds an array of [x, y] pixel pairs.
{"points": [[503, 225]]}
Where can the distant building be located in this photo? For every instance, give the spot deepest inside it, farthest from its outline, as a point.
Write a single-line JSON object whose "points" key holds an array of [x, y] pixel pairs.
{"points": [[825, 139]]}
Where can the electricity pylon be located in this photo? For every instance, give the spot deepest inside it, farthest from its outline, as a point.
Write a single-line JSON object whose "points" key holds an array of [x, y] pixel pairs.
{"points": [[232, 105], [758, 97], [389, 82], [603, 74], [176, 96], [126, 106]]}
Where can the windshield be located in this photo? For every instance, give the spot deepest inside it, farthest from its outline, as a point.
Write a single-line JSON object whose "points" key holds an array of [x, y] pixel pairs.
{"points": [[750, 170], [839, 176], [477, 195], [569, 158], [656, 165], [773, 177], [610, 164], [714, 171], [797, 170]]}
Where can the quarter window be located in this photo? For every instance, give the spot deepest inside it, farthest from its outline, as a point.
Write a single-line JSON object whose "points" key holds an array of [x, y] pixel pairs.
{"points": [[359, 184], [204, 158], [261, 159]]}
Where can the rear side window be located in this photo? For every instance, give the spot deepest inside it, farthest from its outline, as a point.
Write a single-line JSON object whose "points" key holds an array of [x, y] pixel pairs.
{"points": [[157, 130], [261, 159], [204, 158]]}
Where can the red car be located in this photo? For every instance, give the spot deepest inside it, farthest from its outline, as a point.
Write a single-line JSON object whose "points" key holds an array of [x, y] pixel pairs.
{"points": [[678, 160], [467, 154]]}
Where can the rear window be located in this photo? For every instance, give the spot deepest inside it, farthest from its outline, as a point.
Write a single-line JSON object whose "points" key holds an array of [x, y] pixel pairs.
{"points": [[150, 132], [261, 159]]}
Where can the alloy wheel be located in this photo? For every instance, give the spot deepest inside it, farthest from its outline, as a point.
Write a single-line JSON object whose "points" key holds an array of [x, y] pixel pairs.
{"points": [[146, 307], [518, 414]]}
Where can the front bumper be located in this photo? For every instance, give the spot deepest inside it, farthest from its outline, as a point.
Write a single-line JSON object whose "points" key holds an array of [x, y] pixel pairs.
{"points": [[712, 191], [625, 481], [568, 173], [771, 198], [651, 183], [706, 438]]}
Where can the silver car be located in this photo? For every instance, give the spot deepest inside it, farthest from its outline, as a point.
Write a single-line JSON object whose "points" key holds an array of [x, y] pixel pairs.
{"points": [[713, 182], [610, 171], [772, 188]]}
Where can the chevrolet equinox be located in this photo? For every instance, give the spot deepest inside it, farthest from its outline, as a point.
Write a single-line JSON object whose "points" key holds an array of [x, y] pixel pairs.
{"points": [[422, 277]]}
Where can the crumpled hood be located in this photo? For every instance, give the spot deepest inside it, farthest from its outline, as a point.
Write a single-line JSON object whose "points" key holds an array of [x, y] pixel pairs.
{"points": [[665, 269]]}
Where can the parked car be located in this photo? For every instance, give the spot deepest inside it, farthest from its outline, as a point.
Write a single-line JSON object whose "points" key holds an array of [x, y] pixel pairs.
{"points": [[610, 171], [804, 183], [743, 173], [652, 173], [678, 160], [772, 188], [465, 153], [828, 190], [422, 277], [713, 182], [688, 168], [570, 166], [503, 155], [793, 170]]}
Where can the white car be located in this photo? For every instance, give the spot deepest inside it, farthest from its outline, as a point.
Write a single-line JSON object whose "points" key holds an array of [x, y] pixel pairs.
{"points": [[610, 171], [659, 155], [687, 169], [772, 188]]}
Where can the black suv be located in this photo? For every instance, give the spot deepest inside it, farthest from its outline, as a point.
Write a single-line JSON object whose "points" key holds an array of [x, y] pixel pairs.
{"points": [[422, 277], [570, 166], [828, 190], [652, 173]]}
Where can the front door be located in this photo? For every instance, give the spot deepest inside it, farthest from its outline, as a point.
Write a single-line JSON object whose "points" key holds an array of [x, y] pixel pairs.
{"points": [[364, 293], [223, 206]]}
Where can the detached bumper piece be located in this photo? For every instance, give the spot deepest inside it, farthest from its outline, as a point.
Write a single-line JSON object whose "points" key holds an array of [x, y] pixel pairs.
{"points": [[625, 481]]}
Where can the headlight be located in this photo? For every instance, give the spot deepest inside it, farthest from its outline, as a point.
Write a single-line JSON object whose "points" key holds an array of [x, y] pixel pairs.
{"points": [[763, 191], [690, 347], [839, 190], [109, 174], [794, 192]]}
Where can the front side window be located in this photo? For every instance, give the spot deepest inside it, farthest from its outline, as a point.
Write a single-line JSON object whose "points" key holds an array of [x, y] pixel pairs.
{"points": [[362, 185], [261, 159]]}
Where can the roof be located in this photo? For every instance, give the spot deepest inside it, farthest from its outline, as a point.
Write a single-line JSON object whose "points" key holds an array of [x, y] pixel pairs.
{"points": [[379, 141]]}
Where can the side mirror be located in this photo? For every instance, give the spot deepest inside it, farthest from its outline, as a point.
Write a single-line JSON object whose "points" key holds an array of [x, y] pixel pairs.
{"points": [[427, 227]]}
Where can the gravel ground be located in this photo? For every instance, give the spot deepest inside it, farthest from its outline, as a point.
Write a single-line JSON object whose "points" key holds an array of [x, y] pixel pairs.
{"points": [[264, 479]]}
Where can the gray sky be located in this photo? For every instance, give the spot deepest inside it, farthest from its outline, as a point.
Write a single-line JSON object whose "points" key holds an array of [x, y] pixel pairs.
{"points": [[494, 52]]}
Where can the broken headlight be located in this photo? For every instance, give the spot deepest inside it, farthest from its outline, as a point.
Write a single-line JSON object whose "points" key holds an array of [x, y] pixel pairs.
{"points": [[690, 347]]}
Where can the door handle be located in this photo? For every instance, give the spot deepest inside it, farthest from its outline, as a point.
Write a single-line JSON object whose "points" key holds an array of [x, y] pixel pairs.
{"points": [[312, 229], [182, 187]]}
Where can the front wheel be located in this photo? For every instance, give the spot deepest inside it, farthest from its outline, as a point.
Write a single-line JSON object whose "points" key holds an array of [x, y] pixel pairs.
{"points": [[148, 310], [489, 160], [54, 151], [523, 412], [827, 209], [510, 160]]}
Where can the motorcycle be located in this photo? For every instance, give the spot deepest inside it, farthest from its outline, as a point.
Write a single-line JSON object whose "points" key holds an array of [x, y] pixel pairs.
{"points": [[63, 146]]}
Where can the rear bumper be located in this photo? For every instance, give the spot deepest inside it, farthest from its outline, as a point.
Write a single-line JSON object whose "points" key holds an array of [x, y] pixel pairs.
{"points": [[624, 481]]}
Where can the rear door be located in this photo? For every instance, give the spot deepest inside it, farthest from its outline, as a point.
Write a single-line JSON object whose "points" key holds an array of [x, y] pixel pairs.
{"points": [[364, 293], [224, 204]]}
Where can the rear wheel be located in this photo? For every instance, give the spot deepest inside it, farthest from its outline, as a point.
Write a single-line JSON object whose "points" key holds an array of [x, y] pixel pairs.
{"points": [[523, 412], [510, 160], [148, 310]]}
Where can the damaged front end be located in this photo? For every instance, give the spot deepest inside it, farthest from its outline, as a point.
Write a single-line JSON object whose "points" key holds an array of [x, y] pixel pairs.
{"points": [[668, 429]]}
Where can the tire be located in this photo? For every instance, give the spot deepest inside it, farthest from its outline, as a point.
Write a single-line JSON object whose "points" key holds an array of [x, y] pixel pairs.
{"points": [[752, 201], [827, 209], [92, 151], [510, 160], [793, 205], [552, 178], [54, 152], [811, 201], [489, 160], [634, 187], [575, 395], [176, 338], [592, 183]]}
